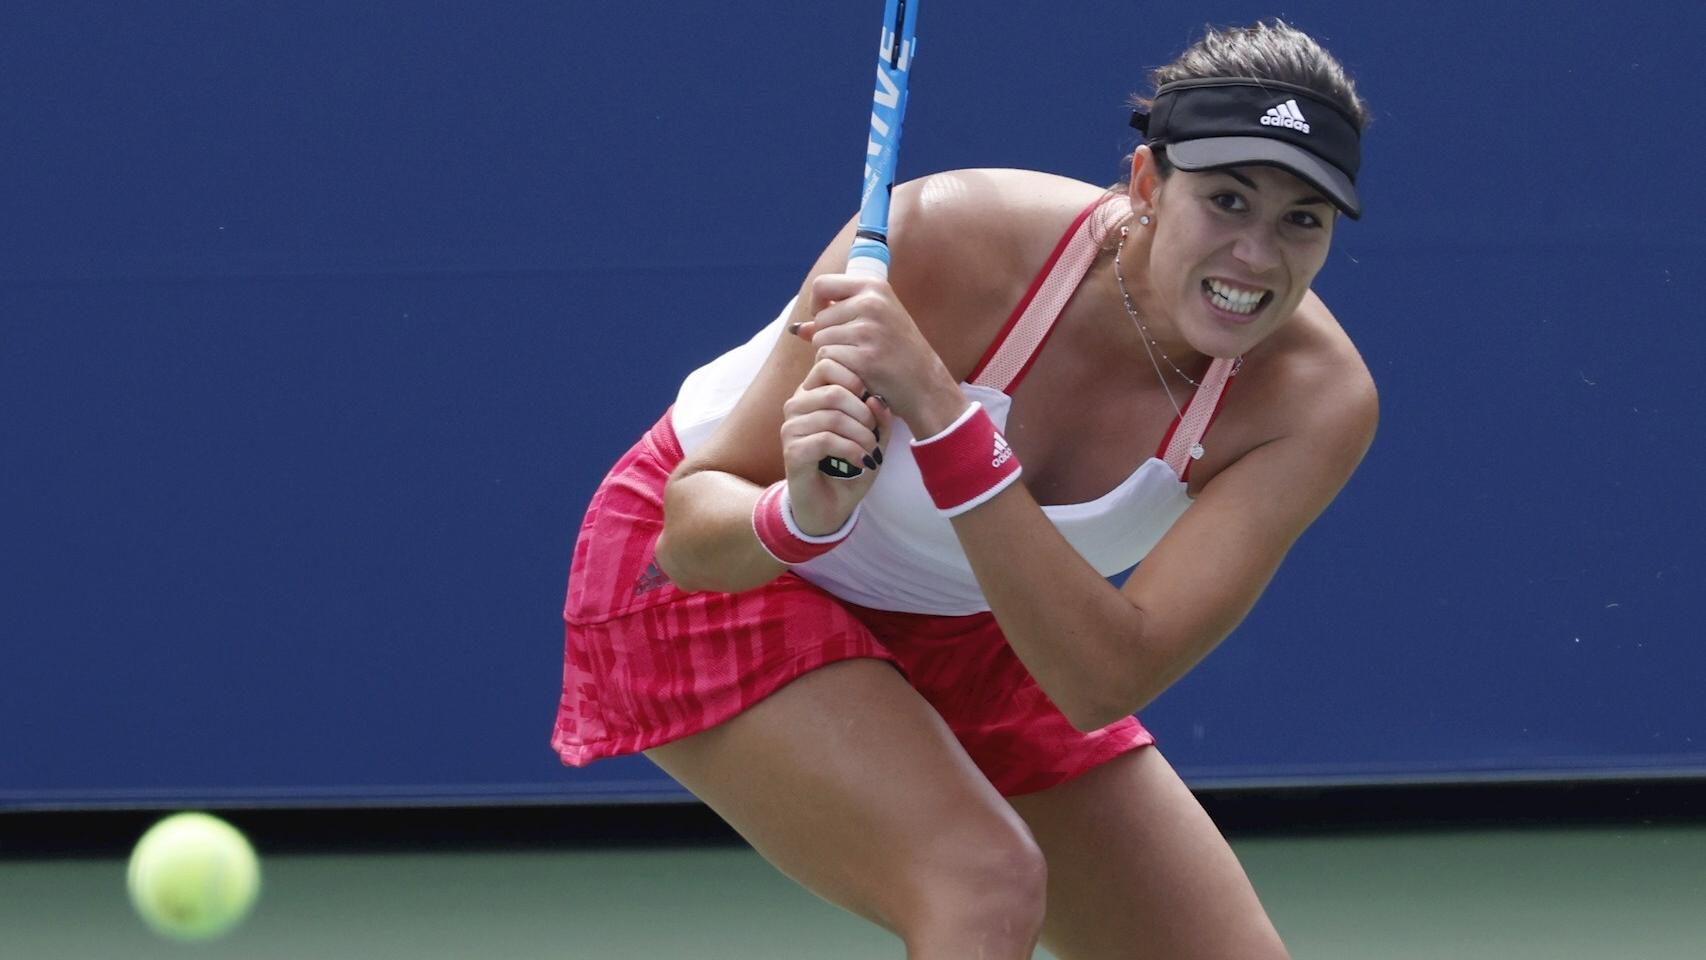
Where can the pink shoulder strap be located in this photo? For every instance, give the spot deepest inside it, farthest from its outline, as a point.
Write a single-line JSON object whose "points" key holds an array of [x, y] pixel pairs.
{"points": [[1008, 359], [1182, 445]]}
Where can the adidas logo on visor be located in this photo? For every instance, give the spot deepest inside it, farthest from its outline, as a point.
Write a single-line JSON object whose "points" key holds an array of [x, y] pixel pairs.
{"points": [[1286, 115]]}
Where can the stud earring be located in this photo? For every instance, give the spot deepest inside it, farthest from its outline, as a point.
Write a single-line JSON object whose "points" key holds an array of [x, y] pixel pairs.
{"points": [[1144, 219]]}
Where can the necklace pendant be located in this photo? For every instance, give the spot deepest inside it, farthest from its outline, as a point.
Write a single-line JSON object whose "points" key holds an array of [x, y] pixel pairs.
{"points": [[1196, 451]]}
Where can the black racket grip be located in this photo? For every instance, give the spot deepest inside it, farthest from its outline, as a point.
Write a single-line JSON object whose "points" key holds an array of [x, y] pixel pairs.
{"points": [[842, 470], [838, 468]]}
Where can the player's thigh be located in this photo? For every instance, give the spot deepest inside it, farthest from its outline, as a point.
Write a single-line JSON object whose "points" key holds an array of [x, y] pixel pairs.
{"points": [[850, 783], [1136, 869]]}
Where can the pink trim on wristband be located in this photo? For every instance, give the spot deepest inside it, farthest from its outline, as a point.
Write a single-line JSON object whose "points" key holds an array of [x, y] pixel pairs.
{"points": [[781, 537], [967, 463]]}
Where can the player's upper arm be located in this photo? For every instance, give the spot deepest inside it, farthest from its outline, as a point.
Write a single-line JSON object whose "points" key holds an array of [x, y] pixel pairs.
{"points": [[1208, 571]]}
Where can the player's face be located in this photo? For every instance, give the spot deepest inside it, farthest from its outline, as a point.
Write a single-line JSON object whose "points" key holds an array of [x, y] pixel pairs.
{"points": [[1235, 252]]}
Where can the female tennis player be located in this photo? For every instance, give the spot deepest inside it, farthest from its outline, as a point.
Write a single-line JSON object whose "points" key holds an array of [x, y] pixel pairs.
{"points": [[912, 691]]}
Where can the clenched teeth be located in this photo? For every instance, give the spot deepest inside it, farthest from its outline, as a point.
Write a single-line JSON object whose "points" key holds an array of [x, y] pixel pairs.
{"points": [[1233, 299]]}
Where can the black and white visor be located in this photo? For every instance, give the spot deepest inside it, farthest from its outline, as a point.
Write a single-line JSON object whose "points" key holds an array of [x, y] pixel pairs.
{"points": [[1226, 122]]}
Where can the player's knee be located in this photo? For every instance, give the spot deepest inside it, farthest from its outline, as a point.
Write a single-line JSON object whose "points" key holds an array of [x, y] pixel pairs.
{"points": [[1019, 882], [1013, 878], [992, 887]]}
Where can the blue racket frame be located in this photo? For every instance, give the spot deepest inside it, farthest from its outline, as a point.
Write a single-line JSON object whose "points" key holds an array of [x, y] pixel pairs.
{"points": [[869, 255]]}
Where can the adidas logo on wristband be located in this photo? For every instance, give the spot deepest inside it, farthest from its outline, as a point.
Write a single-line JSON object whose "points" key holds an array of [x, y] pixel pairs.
{"points": [[951, 463]]}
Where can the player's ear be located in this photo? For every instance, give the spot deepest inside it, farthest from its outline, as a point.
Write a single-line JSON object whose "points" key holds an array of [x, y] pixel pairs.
{"points": [[1145, 179]]}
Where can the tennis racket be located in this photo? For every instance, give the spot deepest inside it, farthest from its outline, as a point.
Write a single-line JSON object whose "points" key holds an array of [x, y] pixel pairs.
{"points": [[869, 256]]}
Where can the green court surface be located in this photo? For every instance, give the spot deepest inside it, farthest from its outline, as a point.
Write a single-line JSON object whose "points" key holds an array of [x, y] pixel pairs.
{"points": [[1555, 893]]}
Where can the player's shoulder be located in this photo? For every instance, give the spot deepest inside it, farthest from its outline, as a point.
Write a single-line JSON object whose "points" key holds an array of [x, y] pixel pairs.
{"points": [[1316, 378], [992, 214], [966, 244]]}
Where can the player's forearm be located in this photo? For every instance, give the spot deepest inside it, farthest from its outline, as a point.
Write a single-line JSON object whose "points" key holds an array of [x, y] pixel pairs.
{"points": [[1081, 639], [708, 541]]}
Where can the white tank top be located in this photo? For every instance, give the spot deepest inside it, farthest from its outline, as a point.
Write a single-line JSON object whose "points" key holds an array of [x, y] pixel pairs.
{"points": [[903, 555]]}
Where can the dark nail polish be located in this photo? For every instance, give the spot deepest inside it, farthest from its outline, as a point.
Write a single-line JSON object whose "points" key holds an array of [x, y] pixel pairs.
{"points": [[793, 328], [878, 454], [878, 433], [870, 464]]}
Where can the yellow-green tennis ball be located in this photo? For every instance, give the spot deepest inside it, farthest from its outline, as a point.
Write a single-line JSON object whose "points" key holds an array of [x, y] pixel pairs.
{"points": [[193, 876]]}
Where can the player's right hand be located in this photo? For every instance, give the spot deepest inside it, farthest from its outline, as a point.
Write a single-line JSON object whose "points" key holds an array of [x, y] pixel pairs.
{"points": [[831, 415]]}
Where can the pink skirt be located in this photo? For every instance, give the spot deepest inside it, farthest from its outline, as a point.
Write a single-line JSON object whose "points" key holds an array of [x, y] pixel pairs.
{"points": [[645, 663]]}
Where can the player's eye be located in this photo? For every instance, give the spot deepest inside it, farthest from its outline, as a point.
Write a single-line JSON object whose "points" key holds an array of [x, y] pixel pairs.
{"points": [[1304, 218], [1227, 200]]}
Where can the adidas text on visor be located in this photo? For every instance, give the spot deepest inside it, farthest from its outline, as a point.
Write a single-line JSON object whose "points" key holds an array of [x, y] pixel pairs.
{"points": [[1225, 122]]}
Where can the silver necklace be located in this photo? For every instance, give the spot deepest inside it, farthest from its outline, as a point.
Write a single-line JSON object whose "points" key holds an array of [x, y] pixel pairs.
{"points": [[1148, 341], [1149, 345]]}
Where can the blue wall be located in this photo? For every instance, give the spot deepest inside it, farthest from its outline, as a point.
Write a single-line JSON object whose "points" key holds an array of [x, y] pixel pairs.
{"points": [[320, 321]]}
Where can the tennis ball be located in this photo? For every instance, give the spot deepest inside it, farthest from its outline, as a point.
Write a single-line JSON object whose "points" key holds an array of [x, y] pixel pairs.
{"points": [[193, 877]]}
